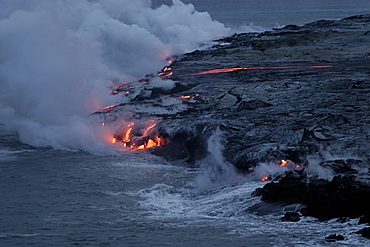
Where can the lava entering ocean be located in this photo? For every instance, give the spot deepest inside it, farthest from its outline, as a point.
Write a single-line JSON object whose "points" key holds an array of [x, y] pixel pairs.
{"points": [[143, 135], [138, 135], [274, 170]]}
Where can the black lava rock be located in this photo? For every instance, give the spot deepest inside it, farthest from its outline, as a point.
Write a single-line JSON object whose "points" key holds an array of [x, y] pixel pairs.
{"points": [[364, 232], [334, 238], [365, 219], [291, 216], [341, 197]]}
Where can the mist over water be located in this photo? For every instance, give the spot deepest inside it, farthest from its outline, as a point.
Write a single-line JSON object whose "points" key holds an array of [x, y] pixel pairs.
{"points": [[58, 60], [249, 15]]}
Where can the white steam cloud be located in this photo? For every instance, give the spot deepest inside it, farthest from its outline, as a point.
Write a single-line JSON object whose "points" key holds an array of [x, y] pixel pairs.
{"points": [[57, 60], [215, 170]]}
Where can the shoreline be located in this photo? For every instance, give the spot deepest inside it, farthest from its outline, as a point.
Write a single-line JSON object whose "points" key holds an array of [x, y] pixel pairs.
{"points": [[293, 94]]}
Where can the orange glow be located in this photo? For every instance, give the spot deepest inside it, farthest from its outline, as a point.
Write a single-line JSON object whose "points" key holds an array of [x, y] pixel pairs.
{"points": [[151, 143], [102, 124], [139, 136], [215, 71], [114, 140], [265, 178], [185, 97], [139, 147], [128, 133], [106, 109], [165, 72], [297, 166], [148, 129], [188, 96], [283, 163]]}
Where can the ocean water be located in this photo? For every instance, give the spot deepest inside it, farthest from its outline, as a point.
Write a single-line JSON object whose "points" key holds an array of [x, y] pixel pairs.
{"points": [[245, 14], [62, 183]]}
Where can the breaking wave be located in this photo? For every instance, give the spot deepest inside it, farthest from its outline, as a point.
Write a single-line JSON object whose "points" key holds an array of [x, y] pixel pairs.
{"points": [[227, 207], [58, 60]]}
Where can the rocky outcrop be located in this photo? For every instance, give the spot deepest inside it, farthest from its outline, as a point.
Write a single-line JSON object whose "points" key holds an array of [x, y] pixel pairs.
{"points": [[292, 92], [276, 112], [334, 238], [289, 93], [342, 196], [365, 232], [291, 216]]}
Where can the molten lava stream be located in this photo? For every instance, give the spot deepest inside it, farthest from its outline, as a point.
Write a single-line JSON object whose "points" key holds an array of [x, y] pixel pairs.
{"points": [[216, 71], [136, 137], [283, 163]]}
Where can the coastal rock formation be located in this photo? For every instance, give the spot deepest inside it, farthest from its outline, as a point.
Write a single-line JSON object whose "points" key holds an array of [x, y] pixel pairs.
{"points": [[270, 112], [280, 94], [343, 196], [285, 94]]}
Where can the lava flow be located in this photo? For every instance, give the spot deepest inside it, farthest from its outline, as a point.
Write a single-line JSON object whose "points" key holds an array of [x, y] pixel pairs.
{"points": [[188, 96], [165, 72], [138, 136], [216, 71], [279, 170]]}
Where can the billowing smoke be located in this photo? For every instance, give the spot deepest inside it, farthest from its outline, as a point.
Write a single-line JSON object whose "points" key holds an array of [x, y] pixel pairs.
{"points": [[59, 58]]}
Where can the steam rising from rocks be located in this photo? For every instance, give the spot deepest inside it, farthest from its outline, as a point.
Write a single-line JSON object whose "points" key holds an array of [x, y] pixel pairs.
{"points": [[215, 170], [58, 59]]}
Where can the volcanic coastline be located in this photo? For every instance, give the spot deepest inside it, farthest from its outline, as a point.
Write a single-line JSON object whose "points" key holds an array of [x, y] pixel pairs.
{"points": [[295, 93]]}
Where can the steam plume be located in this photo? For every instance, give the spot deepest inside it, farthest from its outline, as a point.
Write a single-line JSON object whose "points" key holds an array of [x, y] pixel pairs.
{"points": [[58, 58], [215, 170]]}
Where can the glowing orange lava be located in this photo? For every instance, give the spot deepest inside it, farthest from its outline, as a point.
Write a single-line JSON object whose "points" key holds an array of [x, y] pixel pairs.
{"points": [[138, 136], [128, 133], [283, 163], [108, 108], [165, 72], [215, 71], [149, 128], [188, 96]]}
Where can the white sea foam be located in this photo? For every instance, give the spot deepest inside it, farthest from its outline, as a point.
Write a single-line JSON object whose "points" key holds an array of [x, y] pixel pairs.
{"points": [[227, 207], [6, 154]]}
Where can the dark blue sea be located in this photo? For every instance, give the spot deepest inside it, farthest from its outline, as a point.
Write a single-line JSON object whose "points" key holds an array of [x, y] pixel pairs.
{"points": [[62, 181]]}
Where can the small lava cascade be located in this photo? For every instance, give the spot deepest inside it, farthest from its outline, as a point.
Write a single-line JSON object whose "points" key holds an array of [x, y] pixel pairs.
{"points": [[138, 135], [128, 131], [275, 170], [165, 73]]}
